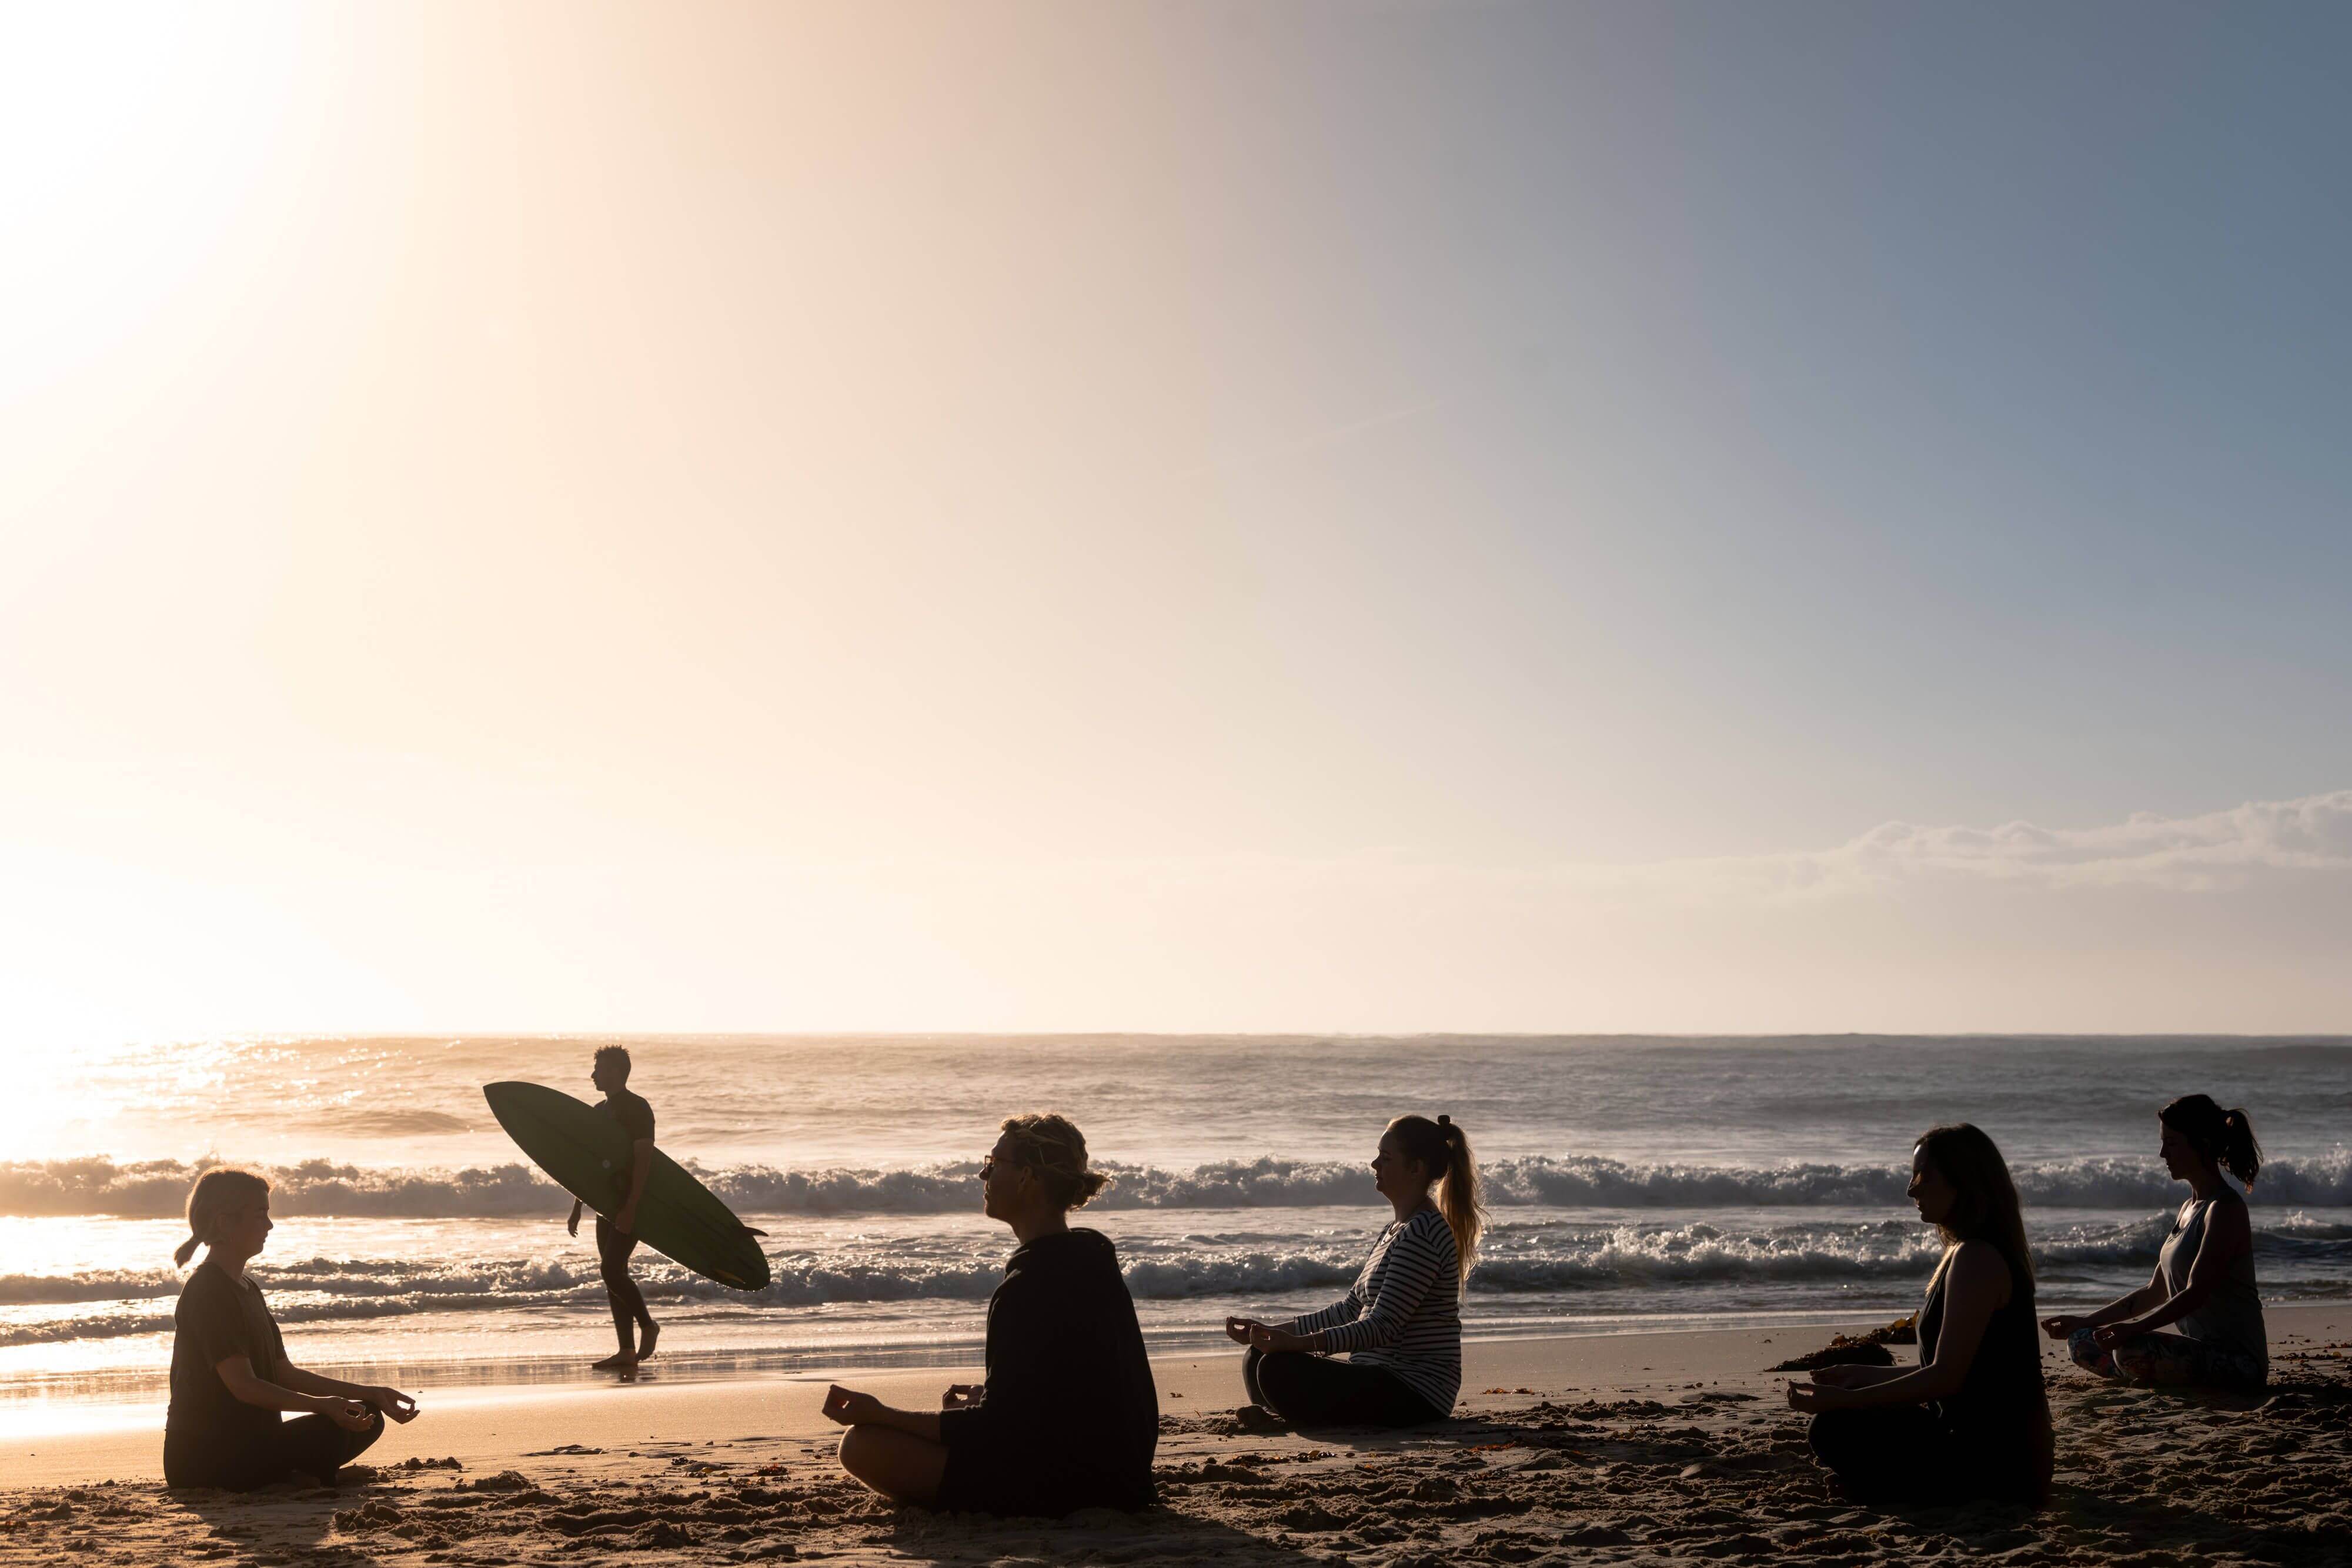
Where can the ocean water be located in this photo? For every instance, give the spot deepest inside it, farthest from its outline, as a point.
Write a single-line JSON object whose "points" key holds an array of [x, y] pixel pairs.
{"points": [[1633, 1182]]}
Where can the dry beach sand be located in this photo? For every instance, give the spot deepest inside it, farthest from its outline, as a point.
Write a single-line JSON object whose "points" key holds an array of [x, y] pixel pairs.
{"points": [[1627, 1448]]}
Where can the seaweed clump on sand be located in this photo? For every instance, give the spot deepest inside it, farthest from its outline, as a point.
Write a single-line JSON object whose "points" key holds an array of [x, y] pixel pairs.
{"points": [[1855, 1350]]}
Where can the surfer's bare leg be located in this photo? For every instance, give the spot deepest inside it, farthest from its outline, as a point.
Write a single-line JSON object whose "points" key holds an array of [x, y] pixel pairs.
{"points": [[612, 1248], [645, 1337]]}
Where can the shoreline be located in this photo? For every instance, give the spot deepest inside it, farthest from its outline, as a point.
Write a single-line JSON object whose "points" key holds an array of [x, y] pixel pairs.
{"points": [[140, 1385]]}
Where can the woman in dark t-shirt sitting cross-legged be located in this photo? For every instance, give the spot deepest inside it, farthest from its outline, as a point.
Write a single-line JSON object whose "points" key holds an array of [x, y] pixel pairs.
{"points": [[230, 1377]]}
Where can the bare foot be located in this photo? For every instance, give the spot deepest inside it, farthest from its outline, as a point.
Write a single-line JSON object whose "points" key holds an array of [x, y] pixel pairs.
{"points": [[646, 1340], [619, 1360]]}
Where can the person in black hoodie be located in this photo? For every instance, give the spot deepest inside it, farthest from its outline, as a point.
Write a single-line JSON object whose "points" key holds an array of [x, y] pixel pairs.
{"points": [[1069, 1417]]}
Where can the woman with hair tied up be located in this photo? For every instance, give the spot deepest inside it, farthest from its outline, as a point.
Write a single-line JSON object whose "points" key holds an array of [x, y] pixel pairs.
{"points": [[230, 1377], [2204, 1279], [1973, 1420], [1069, 1417], [1401, 1322]]}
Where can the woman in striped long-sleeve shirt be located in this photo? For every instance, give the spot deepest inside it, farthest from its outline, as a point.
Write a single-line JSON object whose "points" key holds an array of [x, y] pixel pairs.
{"points": [[1400, 1324]]}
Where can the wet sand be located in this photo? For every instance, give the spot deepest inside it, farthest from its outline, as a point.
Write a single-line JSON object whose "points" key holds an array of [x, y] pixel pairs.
{"points": [[1635, 1448]]}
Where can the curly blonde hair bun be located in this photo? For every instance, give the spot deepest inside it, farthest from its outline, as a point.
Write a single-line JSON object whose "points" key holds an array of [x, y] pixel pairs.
{"points": [[1051, 1145]]}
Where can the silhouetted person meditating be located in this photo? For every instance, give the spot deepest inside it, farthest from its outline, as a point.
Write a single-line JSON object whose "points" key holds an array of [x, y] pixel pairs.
{"points": [[617, 1238], [230, 1376], [1069, 1417], [1401, 1322], [2204, 1281], [1972, 1419]]}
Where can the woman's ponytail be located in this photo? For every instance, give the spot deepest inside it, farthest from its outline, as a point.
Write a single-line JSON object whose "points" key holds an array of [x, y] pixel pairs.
{"points": [[1444, 1149], [1458, 1196], [218, 1192], [2238, 1154], [2225, 1137]]}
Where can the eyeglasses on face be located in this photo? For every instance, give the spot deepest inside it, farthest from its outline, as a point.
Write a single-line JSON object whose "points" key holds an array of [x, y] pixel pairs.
{"points": [[988, 1164]]}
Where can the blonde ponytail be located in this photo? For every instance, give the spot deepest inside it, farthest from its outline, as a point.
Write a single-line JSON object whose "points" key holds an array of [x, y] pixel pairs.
{"points": [[218, 1193], [1444, 1149]]}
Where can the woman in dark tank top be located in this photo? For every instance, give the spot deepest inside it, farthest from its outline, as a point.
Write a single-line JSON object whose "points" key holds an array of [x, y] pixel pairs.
{"points": [[1973, 1420]]}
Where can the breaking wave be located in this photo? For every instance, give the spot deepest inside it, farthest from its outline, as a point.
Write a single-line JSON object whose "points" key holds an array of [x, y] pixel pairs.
{"points": [[1549, 1256], [158, 1189]]}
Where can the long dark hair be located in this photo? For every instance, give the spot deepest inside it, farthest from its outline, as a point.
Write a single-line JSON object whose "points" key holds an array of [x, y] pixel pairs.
{"points": [[1444, 1149], [1987, 1208], [2225, 1137]]}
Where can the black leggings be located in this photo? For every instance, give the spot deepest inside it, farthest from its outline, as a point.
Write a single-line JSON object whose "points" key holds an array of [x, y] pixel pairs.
{"points": [[307, 1445], [1319, 1391], [613, 1250], [1906, 1453]]}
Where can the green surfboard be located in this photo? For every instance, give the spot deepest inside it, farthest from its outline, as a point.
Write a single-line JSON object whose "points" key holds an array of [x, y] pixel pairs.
{"points": [[585, 1151]]}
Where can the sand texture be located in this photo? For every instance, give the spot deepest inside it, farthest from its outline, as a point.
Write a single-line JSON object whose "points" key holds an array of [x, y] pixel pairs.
{"points": [[1715, 1469]]}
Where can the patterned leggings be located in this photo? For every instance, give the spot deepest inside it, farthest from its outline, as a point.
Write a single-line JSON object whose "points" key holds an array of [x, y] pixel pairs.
{"points": [[2167, 1360]]}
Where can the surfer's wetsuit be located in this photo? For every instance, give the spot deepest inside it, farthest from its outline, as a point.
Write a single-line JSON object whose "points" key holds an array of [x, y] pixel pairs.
{"points": [[1070, 1418], [612, 1247]]}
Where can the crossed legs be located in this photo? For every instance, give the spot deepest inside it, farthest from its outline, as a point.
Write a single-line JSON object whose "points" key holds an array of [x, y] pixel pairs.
{"points": [[2165, 1361], [894, 1463], [1322, 1390]]}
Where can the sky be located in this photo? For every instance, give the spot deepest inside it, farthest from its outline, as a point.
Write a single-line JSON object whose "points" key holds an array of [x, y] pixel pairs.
{"points": [[1374, 517]]}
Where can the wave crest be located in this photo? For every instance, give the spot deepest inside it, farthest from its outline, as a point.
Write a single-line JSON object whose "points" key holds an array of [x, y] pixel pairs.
{"points": [[157, 1189], [1522, 1259]]}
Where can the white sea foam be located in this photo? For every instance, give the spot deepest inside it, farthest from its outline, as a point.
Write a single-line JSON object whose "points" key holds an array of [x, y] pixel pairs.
{"points": [[1555, 1255], [158, 1189]]}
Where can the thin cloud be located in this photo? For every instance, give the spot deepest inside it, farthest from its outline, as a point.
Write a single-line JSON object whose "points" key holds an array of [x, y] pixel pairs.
{"points": [[2311, 835], [2307, 837]]}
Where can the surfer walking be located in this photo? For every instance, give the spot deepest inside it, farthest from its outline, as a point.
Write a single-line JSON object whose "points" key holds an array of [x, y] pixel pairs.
{"points": [[617, 1238]]}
